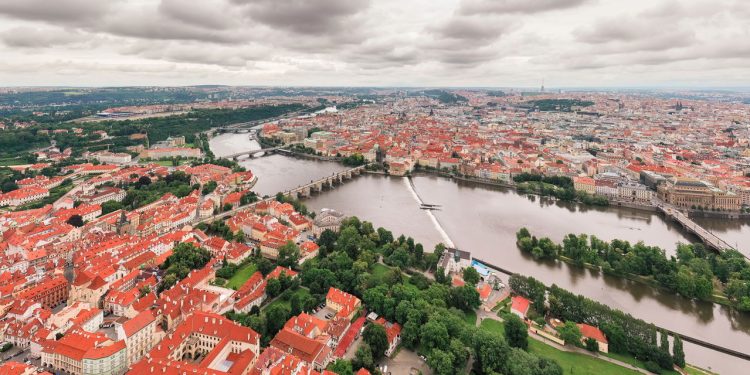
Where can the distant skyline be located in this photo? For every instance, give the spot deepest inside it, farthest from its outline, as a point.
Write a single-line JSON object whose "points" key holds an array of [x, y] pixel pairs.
{"points": [[465, 43]]}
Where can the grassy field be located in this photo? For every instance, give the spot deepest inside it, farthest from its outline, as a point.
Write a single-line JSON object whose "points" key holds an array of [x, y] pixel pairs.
{"points": [[571, 363], [635, 362], [241, 276], [12, 161], [471, 318], [379, 271], [285, 301]]}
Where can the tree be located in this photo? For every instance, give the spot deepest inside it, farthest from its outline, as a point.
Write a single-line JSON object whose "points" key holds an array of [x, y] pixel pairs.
{"points": [[341, 367], [288, 255], [471, 276], [209, 187], [663, 341], [458, 351], [516, 332], [8, 186], [410, 334], [276, 317], [327, 241], [375, 336], [490, 351], [440, 276], [440, 362], [143, 181], [111, 206], [677, 352], [464, 297], [75, 220], [592, 345], [434, 335], [363, 357], [273, 287], [265, 266], [570, 333]]}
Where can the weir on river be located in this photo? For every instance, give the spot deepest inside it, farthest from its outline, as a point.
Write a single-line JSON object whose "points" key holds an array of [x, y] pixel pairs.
{"points": [[443, 233]]}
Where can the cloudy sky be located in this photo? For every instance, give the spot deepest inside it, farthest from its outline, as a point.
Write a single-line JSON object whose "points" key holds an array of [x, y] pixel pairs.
{"points": [[497, 43]]}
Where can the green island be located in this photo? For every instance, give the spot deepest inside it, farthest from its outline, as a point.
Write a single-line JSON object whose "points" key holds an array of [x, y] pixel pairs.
{"points": [[694, 272]]}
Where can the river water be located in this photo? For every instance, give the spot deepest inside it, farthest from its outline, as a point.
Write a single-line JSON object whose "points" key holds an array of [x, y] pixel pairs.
{"points": [[484, 220]]}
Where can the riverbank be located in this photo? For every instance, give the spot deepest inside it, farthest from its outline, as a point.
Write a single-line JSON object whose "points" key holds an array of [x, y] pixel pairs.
{"points": [[483, 219]]}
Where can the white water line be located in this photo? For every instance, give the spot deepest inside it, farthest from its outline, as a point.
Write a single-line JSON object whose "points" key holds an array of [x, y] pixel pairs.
{"points": [[434, 219]]}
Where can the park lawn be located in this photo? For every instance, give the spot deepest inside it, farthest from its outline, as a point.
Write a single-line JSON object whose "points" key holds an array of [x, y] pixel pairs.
{"points": [[635, 362], [241, 276], [379, 271], [12, 161], [286, 301], [571, 363], [470, 317]]}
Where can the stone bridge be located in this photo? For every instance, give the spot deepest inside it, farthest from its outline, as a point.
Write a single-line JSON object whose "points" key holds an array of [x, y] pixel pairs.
{"points": [[324, 183], [306, 190], [710, 239]]}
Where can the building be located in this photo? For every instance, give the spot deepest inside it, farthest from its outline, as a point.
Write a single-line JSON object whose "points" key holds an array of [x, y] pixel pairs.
{"points": [[83, 353], [520, 306], [111, 157], [314, 352], [591, 332], [392, 332], [223, 345], [138, 334], [585, 184], [634, 192], [105, 194], [50, 292], [22, 196], [171, 152], [327, 219], [345, 304], [454, 260], [688, 193]]}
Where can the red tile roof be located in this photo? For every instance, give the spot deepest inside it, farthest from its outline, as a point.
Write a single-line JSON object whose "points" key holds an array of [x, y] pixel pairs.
{"points": [[592, 332]]}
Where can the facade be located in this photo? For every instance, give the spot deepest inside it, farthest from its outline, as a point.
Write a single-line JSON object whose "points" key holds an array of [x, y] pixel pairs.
{"points": [[171, 152], [83, 353], [22, 196], [585, 184], [345, 304], [327, 219], [112, 158], [138, 334], [634, 192], [49, 293], [591, 332], [102, 195], [690, 193]]}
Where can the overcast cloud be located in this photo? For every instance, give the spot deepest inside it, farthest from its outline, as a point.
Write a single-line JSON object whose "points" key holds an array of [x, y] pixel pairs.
{"points": [[490, 43]]}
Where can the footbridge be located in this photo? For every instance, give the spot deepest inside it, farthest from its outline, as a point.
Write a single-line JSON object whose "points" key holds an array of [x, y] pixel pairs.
{"points": [[710, 239]]}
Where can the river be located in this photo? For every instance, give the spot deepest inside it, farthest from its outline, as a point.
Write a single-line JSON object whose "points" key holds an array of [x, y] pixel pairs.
{"points": [[484, 220]]}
